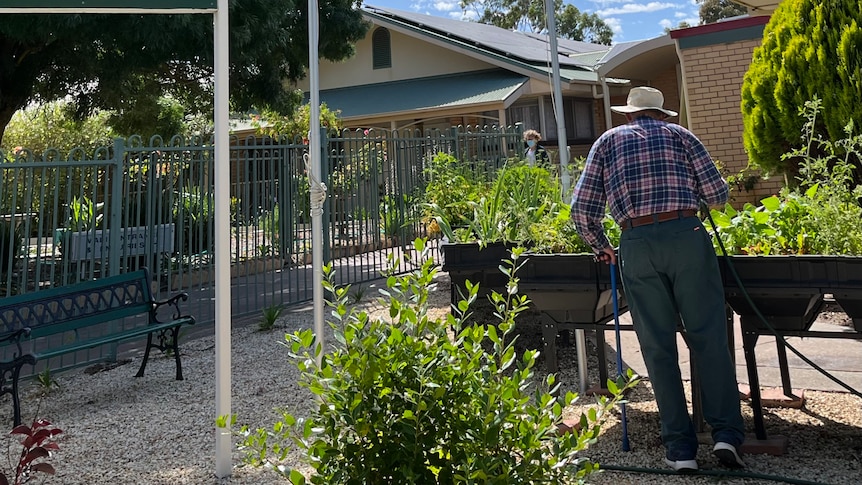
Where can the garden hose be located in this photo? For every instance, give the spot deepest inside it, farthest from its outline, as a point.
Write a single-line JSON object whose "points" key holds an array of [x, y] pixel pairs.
{"points": [[713, 473], [763, 319]]}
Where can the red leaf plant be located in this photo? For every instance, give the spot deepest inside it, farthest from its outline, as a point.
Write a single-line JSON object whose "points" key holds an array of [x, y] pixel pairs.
{"points": [[38, 442]]}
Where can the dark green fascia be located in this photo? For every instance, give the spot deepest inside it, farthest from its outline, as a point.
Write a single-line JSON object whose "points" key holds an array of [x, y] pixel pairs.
{"points": [[723, 37]]}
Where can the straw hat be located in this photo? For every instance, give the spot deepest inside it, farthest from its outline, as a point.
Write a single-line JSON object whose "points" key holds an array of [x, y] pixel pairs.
{"points": [[644, 98]]}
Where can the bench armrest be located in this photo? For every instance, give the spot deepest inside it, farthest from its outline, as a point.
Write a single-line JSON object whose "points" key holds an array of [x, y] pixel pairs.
{"points": [[173, 302], [15, 337]]}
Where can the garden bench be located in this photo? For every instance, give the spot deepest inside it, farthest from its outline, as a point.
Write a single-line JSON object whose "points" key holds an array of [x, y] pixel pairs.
{"points": [[75, 318]]}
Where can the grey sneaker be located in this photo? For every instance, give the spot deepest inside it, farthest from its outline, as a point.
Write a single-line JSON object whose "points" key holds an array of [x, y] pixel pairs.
{"points": [[727, 455], [682, 466]]}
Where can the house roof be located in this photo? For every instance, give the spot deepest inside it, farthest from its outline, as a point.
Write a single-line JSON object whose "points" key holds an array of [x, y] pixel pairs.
{"points": [[516, 50], [448, 91], [630, 60]]}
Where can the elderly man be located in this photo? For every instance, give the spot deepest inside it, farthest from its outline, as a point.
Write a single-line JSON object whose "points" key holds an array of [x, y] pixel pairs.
{"points": [[653, 175]]}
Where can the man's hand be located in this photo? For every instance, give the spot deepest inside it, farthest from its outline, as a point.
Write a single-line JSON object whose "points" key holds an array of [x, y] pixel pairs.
{"points": [[608, 255]]}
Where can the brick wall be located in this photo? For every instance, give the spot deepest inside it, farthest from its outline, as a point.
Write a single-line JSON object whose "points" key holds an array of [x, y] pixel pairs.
{"points": [[714, 75]]}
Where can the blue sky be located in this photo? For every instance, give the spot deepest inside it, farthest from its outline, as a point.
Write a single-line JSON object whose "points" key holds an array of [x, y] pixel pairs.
{"points": [[630, 20]]}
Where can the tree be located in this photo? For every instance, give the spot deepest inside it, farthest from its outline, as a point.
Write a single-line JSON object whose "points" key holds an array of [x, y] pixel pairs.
{"points": [[529, 16], [52, 125], [810, 49], [714, 10], [101, 60], [296, 124]]}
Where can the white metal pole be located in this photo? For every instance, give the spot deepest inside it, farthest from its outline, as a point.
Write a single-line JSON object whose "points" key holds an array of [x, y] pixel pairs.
{"points": [[318, 191], [222, 238], [558, 97]]}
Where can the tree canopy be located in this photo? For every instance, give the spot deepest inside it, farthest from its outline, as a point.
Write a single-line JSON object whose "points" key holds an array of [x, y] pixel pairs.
{"points": [[810, 49], [529, 16], [714, 10], [105, 61]]}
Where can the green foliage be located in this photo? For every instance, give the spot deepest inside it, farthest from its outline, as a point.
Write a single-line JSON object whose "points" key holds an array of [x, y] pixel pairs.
{"points": [[53, 125], [297, 123], [194, 213], [819, 215], [522, 205], [46, 381], [810, 50], [270, 317], [390, 215], [451, 186], [270, 224], [401, 400], [173, 54], [714, 10], [149, 114], [84, 215], [530, 16], [357, 295]]}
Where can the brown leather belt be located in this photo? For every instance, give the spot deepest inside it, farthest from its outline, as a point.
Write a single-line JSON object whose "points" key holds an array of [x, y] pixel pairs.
{"points": [[656, 218]]}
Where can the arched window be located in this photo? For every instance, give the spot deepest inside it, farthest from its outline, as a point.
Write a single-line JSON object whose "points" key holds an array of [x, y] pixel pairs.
{"points": [[382, 48]]}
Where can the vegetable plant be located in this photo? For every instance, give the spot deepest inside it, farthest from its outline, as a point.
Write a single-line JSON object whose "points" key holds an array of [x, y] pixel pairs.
{"points": [[820, 214]]}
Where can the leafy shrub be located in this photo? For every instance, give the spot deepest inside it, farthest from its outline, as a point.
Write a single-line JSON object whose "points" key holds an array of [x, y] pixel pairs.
{"points": [[403, 400], [810, 48], [54, 125]]}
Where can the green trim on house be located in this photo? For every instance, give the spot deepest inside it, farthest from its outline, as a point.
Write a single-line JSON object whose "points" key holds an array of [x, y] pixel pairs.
{"points": [[723, 37], [429, 93]]}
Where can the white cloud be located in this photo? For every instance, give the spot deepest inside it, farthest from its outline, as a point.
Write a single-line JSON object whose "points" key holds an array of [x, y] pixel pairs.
{"points": [[636, 8], [615, 24], [665, 23], [444, 6]]}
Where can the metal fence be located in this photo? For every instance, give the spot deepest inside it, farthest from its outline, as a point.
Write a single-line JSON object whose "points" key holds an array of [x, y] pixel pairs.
{"points": [[71, 217]]}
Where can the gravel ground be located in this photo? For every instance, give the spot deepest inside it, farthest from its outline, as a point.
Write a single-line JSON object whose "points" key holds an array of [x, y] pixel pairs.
{"points": [[155, 430]]}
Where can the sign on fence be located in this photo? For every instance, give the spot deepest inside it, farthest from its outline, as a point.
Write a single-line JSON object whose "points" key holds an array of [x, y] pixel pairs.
{"points": [[88, 245]]}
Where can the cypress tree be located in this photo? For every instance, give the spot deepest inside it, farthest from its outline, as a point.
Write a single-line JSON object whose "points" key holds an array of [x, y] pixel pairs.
{"points": [[810, 49]]}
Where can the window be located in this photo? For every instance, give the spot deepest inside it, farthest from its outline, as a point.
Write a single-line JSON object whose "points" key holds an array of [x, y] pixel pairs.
{"points": [[577, 112], [382, 50], [578, 116], [527, 114]]}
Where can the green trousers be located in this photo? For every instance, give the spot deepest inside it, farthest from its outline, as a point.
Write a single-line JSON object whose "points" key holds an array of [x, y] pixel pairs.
{"points": [[670, 275]]}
